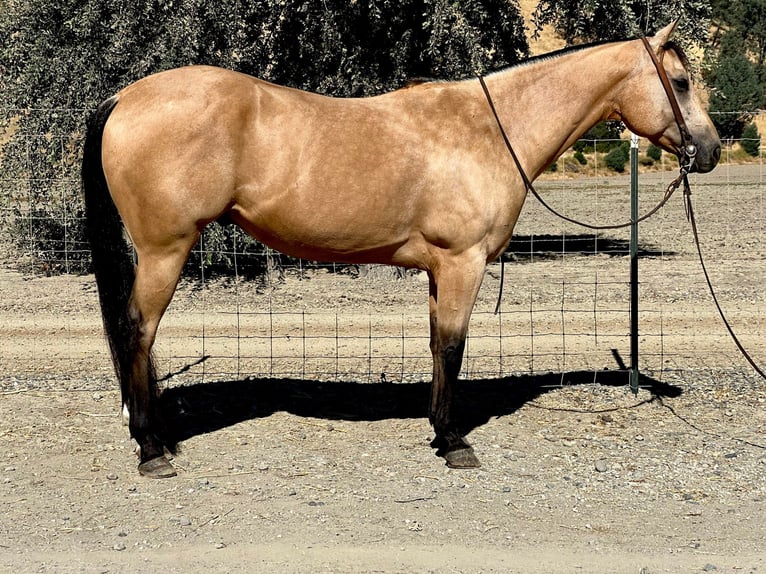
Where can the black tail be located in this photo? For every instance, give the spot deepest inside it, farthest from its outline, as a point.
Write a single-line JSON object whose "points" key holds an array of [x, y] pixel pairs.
{"points": [[111, 255]]}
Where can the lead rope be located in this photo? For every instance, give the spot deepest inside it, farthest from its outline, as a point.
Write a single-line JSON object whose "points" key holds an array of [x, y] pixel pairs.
{"points": [[686, 161], [693, 221], [689, 153]]}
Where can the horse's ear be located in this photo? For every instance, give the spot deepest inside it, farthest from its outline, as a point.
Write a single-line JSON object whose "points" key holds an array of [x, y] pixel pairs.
{"points": [[663, 36]]}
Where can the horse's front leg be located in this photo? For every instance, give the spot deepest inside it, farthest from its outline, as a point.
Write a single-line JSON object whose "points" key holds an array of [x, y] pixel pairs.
{"points": [[453, 291]]}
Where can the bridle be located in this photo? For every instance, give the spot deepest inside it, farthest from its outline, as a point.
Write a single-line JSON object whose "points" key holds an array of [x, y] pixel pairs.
{"points": [[686, 155], [688, 149]]}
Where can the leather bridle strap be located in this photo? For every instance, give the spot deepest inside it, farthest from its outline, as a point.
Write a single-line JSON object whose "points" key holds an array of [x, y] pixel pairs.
{"points": [[686, 138], [686, 159], [531, 188]]}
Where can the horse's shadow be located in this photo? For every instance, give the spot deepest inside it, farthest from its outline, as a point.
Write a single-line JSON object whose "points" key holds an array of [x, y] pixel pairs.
{"points": [[193, 410]]}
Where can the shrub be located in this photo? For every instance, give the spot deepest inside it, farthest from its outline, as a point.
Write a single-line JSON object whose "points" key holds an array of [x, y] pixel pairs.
{"points": [[602, 137], [654, 152], [580, 157], [751, 139], [618, 157]]}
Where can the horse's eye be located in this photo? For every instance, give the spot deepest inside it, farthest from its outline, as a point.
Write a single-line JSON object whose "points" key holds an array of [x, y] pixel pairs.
{"points": [[682, 84]]}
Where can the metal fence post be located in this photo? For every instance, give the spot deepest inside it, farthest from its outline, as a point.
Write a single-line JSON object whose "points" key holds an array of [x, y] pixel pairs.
{"points": [[634, 373]]}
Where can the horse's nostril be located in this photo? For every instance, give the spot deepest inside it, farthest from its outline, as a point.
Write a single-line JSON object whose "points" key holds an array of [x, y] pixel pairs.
{"points": [[717, 153]]}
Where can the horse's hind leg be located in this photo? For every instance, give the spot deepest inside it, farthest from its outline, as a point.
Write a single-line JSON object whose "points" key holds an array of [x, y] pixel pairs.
{"points": [[157, 275], [453, 290]]}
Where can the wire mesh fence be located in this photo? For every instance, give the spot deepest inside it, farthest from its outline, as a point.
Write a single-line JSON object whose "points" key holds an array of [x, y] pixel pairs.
{"points": [[243, 310]]}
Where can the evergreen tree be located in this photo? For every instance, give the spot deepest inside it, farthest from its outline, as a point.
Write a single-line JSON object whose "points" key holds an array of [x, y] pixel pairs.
{"points": [[751, 140], [735, 89]]}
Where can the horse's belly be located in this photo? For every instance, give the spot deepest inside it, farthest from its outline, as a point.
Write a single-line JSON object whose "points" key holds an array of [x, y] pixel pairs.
{"points": [[321, 236]]}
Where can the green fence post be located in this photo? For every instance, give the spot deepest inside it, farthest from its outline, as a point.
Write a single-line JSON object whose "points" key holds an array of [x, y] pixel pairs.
{"points": [[634, 373]]}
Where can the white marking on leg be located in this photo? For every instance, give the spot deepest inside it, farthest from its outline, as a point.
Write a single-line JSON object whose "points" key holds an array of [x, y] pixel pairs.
{"points": [[125, 415]]}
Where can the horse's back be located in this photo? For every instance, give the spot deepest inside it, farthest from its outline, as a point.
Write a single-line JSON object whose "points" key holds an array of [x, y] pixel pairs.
{"points": [[351, 179]]}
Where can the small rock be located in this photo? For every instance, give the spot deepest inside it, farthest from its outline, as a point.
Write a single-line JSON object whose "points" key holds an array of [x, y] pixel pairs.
{"points": [[709, 568], [601, 466], [111, 476], [220, 546], [119, 547], [184, 521]]}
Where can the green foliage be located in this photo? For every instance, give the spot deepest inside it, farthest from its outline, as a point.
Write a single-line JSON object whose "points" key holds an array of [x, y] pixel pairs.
{"points": [[735, 66], [654, 152], [58, 60], [742, 25], [751, 139], [580, 157], [592, 20], [736, 89], [602, 137], [618, 157]]}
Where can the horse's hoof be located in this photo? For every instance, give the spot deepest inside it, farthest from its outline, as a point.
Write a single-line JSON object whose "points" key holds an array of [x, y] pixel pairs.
{"points": [[462, 458], [157, 468]]}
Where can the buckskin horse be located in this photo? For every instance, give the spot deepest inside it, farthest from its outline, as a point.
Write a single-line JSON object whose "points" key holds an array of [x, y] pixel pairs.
{"points": [[419, 177]]}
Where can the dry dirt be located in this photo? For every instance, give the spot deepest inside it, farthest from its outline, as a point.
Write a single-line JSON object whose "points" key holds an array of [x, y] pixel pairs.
{"points": [[301, 475]]}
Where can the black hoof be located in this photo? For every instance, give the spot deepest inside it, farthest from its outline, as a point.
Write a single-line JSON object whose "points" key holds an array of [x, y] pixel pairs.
{"points": [[158, 467], [462, 458], [456, 451]]}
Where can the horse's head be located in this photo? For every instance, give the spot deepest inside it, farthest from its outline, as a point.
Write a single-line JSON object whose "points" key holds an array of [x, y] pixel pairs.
{"points": [[646, 106]]}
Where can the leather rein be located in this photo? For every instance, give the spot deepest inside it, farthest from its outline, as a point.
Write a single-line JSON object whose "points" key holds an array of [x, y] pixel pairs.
{"points": [[686, 158]]}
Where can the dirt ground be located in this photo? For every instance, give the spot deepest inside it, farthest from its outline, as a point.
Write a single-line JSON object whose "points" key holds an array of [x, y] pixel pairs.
{"points": [[297, 474]]}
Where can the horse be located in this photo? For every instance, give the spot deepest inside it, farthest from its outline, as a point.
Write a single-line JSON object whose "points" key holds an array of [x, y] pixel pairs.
{"points": [[418, 177]]}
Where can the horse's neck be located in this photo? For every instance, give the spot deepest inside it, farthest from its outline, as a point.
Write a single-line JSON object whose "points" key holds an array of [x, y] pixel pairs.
{"points": [[546, 106]]}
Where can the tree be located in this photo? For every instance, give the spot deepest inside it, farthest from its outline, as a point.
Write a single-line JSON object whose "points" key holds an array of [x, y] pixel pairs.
{"points": [[59, 59], [751, 140], [742, 25], [735, 89], [592, 20]]}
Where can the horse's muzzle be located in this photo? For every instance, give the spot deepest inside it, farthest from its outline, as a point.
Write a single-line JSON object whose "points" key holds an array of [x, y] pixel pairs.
{"points": [[706, 159]]}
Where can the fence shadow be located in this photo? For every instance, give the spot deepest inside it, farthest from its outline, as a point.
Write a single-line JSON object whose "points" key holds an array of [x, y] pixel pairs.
{"points": [[198, 409], [527, 248]]}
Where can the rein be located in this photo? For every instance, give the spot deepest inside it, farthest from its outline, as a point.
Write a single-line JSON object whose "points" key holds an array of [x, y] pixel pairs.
{"points": [[686, 157], [690, 217], [686, 161]]}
